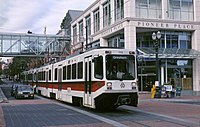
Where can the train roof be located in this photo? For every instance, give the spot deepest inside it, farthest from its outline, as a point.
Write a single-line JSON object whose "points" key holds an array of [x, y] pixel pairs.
{"points": [[101, 50]]}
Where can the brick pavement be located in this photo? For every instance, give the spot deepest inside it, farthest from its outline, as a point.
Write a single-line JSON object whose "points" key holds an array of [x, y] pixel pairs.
{"points": [[169, 106], [160, 106], [2, 123]]}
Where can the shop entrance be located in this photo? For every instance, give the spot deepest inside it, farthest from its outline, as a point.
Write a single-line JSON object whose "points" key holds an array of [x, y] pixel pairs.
{"points": [[146, 81], [181, 77], [172, 71]]}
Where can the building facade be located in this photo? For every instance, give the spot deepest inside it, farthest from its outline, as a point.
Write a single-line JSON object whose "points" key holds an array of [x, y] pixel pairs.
{"points": [[129, 24]]}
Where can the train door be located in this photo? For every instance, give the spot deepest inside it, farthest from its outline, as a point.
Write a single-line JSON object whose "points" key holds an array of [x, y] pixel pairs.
{"points": [[36, 81], [46, 82], [87, 86], [60, 83]]}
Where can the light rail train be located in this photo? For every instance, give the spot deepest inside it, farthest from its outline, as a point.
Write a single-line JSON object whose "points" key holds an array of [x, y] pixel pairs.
{"points": [[103, 78]]}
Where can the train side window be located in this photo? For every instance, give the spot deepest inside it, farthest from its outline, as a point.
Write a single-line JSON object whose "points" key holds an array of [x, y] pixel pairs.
{"points": [[80, 70], [39, 75], [56, 74], [64, 73], [98, 67], [69, 72], [73, 71], [43, 75], [49, 74]]}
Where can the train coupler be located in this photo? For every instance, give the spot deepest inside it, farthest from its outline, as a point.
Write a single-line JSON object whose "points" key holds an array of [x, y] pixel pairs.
{"points": [[123, 100]]}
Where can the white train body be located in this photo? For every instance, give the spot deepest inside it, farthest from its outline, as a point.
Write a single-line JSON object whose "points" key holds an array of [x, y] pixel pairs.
{"points": [[89, 79]]}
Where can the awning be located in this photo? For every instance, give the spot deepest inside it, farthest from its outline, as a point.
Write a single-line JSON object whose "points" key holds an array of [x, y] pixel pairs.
{"points": [[168, 53]]}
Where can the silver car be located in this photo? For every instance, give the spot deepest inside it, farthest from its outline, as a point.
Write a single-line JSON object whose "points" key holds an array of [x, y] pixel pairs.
{"points": [[24, 91]]}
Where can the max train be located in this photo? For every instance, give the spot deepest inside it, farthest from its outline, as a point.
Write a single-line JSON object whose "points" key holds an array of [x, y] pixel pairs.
{"points": [[103, 78]]}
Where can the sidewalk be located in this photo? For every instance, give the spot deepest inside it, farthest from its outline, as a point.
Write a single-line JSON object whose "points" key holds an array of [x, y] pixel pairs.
{"points": [[184, 97], [2, 96]]}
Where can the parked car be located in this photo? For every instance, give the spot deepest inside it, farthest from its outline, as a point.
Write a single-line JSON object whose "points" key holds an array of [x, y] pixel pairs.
{"points": [[24, 91], [13, 88]]}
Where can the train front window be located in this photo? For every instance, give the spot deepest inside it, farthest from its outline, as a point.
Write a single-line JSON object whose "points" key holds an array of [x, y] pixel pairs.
{"points": [[98, 67], [120, 67]]}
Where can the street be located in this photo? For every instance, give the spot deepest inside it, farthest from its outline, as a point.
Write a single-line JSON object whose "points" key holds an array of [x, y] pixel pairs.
{"points": [[182, 111]]}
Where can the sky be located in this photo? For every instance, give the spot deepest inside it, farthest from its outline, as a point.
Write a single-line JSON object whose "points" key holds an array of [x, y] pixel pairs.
{"points": [[19, 16]]}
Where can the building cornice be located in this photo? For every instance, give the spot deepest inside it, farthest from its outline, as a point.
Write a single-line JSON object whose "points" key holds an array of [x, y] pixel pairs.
{"points": [[163, 20]]}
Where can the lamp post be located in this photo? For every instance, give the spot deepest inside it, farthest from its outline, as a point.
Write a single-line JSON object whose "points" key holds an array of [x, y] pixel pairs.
{"points": [[156, 37]]}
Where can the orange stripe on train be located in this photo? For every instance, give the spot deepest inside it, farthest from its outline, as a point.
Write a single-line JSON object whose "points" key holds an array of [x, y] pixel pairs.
{"points": [[77, 86]]}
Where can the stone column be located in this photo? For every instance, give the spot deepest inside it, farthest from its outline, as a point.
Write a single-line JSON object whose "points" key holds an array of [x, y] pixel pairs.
{"points": [[129, 8], [130, 36], [196, 67]]}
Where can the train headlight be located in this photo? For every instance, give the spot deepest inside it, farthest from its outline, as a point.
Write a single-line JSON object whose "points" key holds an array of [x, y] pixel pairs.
{"points": [[109, 86], [134, 85], [131, 52]]}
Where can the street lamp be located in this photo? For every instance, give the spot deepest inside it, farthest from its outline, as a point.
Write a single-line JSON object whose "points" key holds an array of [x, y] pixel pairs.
{"points": [[156, 37]]}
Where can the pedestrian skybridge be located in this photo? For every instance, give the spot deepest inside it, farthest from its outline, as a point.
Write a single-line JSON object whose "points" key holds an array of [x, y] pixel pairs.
{"points": [[168, 53], [33, 45]]}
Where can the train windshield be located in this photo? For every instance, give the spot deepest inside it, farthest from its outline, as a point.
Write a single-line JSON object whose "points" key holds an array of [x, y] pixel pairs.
{"points": [[120, 67]]}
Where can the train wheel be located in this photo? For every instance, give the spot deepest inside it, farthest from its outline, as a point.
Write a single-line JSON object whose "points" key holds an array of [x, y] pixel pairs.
{"points": [[134, 100]]}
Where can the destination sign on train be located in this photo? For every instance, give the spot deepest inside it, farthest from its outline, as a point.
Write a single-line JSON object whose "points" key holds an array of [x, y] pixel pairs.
{"points": [[120, 57]]}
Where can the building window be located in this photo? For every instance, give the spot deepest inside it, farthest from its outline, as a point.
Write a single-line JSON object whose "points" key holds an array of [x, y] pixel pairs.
{"points": [[116, 41], [119, 9], [81, 31], [106, 14], [181, 10], [94, 44], [148, 9], [88, 24], [96, 21], [74, 34]]}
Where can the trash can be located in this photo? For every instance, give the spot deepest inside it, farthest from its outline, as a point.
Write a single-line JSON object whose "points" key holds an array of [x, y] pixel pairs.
{"points": [[158, 92], [163, 91], [173, 93]]}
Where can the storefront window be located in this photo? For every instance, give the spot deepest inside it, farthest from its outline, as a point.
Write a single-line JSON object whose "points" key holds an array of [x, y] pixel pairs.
{"points": [[180, 70], [176, 69], [168, 40]]}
